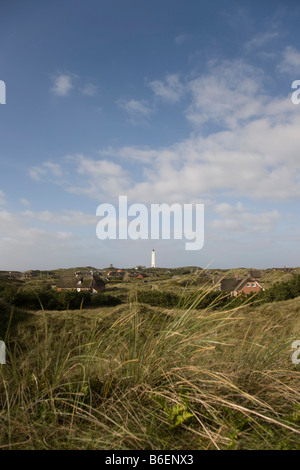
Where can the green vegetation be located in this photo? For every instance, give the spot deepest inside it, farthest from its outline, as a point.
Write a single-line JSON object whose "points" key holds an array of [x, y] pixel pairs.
{"points": [[158, 371], [282, 290], [158, 298], [220, 300], [34, 299]]}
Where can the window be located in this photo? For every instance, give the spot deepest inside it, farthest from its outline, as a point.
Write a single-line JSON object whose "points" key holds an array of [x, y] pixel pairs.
{"points": [[248, 284], [253, 284]]}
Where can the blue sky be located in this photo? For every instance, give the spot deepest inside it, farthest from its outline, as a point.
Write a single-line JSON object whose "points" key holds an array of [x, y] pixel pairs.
{"points": [[170, 101]]}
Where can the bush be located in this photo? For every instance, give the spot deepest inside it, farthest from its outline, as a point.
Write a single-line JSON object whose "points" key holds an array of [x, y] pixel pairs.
{"points": [[52, 300], [101, 299], [281, 291], [158, 298]]}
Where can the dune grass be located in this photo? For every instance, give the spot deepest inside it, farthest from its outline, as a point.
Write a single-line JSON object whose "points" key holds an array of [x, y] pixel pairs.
{"points": [[136, 377]]}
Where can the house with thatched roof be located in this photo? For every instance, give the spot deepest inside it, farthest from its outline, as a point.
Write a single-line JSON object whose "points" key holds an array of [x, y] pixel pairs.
{"points": [[255, 274], [236, 286], [247, 286], [229, 284], [12, 274], [91, 283]]}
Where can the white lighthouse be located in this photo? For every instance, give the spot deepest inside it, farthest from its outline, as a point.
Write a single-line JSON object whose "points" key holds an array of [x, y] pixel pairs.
{"points": [[153, 259]]}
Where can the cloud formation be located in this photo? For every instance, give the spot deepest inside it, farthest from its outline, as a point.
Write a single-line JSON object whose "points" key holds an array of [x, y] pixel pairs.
{"points": [[62, 85], [2, 198], [182, 38], [254, 154], [243, 146], [89, 89], [138, 111], [51, 169], [170, 89], [261, 39], [236, 218], [290, 61]]}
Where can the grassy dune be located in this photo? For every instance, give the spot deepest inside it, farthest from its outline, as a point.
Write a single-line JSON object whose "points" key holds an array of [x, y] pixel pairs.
{"points": [[138, 377]]}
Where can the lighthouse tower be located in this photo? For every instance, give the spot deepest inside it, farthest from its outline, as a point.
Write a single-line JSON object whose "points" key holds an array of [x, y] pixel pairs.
{"points": [[153, 259]]}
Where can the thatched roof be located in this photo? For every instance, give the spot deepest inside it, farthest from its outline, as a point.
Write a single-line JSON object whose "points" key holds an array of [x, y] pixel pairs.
{"points": [[229, 284], [255, 273], [83, 282]]}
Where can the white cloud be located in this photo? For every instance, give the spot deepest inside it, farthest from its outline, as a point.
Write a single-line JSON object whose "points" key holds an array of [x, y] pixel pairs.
{"points": [[255, 156], [238, 219], [9, 223], [142, 155], [170, 90], [104, 179], [62, 85], [33, 248], [2, 198], [21, 222], [136, 107], [138, 111], [89, 89], [25, 202], [291, 61], [257, 159], [182, 38], [38, 173], [230, 93], [26, 245], [261, 39], [66, 218]]}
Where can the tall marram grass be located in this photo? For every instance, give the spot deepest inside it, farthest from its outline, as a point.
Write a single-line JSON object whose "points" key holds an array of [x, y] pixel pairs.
{"points": [[137, 377]]}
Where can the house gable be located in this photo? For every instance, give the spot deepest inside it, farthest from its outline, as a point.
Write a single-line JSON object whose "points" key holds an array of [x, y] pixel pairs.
{"points": [[237, 286], [247, 286]]}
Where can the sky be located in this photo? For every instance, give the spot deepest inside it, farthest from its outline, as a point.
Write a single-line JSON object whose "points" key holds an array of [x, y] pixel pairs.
{"points": [[164, 102]]}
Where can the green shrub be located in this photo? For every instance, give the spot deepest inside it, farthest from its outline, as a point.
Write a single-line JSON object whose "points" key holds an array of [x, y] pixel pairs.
{"points": [[281, 291], [103, 299], [52, 300], [158, 298]]}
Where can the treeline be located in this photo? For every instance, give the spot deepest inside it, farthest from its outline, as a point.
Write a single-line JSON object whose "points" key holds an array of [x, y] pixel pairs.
{"points": [[49, 299], [219, 300], [281, 291], [158, 298], [213, 299]]}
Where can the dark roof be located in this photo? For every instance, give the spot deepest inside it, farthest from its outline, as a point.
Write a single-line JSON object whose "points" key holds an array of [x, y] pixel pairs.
{"points": [[255, 273], [229, 284], [73, 282], [68, 282], [98, 282], [4, 273], [16, 274]]}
